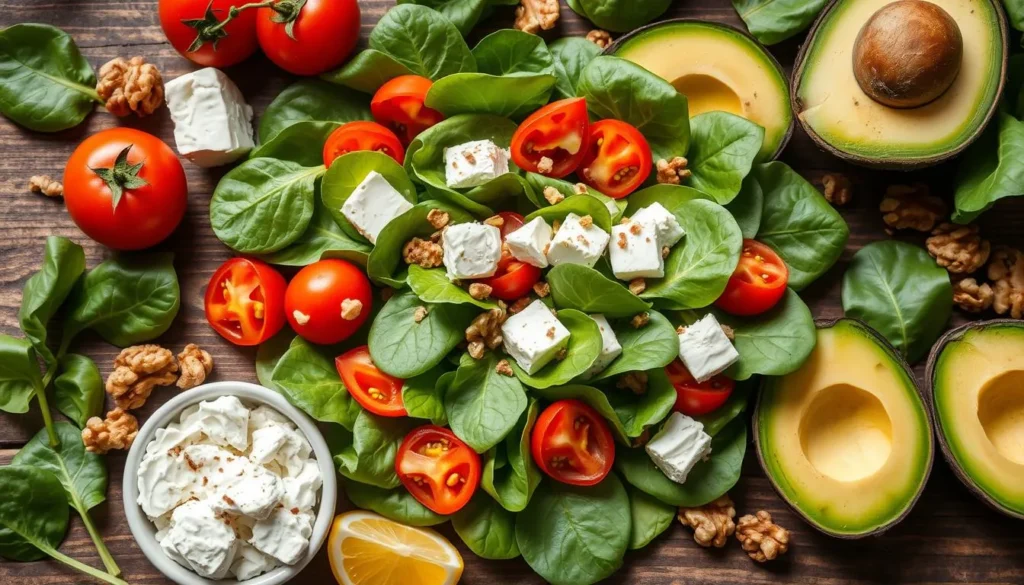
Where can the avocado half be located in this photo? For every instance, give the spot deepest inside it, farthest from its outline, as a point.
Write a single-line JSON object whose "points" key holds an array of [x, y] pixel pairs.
{"points": [[837, 113], [846, 440], [976, 373], [717, 68]]}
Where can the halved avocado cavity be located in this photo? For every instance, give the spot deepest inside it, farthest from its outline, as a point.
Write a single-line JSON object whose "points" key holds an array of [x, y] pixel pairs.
{"points": [[846, 440], [901, 84], [977, 383], [717, 68]]}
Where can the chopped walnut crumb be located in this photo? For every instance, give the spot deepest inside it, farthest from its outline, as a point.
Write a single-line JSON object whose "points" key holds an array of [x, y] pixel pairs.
{"points": [[520, 304], [640, 320], [636, 229], [958, 248], [476, 349], [586, 221], [495, 221], [665, 251], [504, 368], [300, 317], [130, 86], [728, 332], [971, 296], [195, 365], [637, 286], [533, 16], [551, 333], [712, 523], [643, 439], [635, 382], [837, 189], [1006, 271], [116, 432], [545, 165], [423, 253], [912, 207], [420, 314], [479, 291], [469, 157], [137, 370], [580, 189], [45, 185], [561, 354], [553, 196], [438, 219], [622, 241], [761, 538], [351, 309], [673, 172], [485, 331], [542, 289], [554, 227], [599, 37]]}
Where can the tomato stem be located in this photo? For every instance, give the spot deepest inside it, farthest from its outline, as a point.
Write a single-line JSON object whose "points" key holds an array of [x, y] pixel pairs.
{"points": [[210, 29]]}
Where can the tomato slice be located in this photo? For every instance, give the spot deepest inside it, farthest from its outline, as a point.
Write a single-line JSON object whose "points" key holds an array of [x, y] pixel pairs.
{"points": [[572, 443], [399, 105], [245, 301], [558, 132], [438, 469], [618, 159], [514, 279], [695, 398], [356, 136], [758, 284], [374, 390]]}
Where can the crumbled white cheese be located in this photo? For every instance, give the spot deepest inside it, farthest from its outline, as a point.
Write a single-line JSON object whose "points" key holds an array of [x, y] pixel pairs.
{"points": [[281, 445], [373, 205], [475, 163], [705, 350], [534, 336], [610, 347], [212, 122], [679, 446], [206, 543], [530, 243], [225, 421], [255, 492], [471, 250], [575, 244], [669, 230], [284, 535], [300, 491], [635, 251], [251, 563], [165, 480]]}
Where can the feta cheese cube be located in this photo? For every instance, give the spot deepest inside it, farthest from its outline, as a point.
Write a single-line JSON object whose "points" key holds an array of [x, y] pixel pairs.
{"points": [[212, 122], [471, 250], [610, 347], [635, 251], [372, 205], [251, 563], [530, 243], [281, 445], [284, 535], [165, 480], [224, 420], [202, 539], [474, 163], [300, 491], [575, 244], [679, 446], [254, 493], [705, 350], [669, 230], [534, 336]]}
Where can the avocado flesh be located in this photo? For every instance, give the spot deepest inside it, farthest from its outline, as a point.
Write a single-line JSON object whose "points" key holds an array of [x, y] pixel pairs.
{"points": [[717, 68], [831, 105], [846, 439], [978, 389]]}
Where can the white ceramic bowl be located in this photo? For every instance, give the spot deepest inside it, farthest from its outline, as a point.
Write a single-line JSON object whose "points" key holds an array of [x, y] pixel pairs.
{"points": [[145, 532]]}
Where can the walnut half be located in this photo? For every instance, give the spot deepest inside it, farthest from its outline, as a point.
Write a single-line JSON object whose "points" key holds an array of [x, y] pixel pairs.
{"points": [[130, 86], [912, 207], [195, 364], [761, 538], [712, 523], [958, 248], [533, 16], [1006, 271], [116, 432], [971, 296], [137, 370]]}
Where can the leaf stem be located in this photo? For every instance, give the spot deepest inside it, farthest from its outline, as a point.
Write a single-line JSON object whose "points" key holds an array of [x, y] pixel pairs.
{"points": [[84, 568], [101, 547], [44, 406]]}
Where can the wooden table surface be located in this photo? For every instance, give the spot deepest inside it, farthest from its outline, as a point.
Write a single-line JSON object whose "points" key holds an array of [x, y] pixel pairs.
{"points": [[948, 538]]}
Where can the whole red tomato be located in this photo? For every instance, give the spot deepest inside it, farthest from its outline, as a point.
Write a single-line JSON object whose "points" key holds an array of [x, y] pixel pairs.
{"points": [[321, 36], [125, 189], [399, 105], [327, 301], [182, 21]]}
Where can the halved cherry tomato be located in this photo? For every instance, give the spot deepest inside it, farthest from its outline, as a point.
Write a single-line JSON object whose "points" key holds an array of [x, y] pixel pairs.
{"points": [[356, 136], [373, 389], [514, 279], [398, 104], [320, 301], [618, 159], [558, 132], [245, 301], [758, 284], [438, 469], [695, 398], [572, 443]]}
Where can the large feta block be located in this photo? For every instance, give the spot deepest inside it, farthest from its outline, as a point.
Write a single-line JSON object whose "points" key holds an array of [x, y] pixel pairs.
{"points": [[669, 230], [530, 243], [202, 539], [372, 205], [679, 446], [225, 421], [610, 346], [534, 336], [212, 122], [471, 250], [635, 251], [705, 350], [575, 243], [474, 163], [284, 535]]}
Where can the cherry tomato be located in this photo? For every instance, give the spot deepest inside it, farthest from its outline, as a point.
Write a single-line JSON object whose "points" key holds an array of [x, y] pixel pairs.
{"points": [[558, 132], [398, 104], [320, 302], [237, 43], [758, 284], [245, 301], [152, 182], [572, 443], [618, 159], [356, 136], [323, 35], [374, 390], [438, 469], [514, 279], [695, 398]]}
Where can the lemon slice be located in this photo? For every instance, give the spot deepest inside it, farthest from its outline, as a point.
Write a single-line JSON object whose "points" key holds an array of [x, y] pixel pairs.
{"points": [[367, 549]]}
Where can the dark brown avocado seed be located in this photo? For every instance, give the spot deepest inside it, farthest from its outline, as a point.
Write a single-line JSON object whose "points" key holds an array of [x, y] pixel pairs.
{"points": [[908, 54]]}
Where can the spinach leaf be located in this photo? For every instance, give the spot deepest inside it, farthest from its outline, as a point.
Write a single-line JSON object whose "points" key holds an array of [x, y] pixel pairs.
{"points": [[397, 504], [574, 286], [19, 374], [650, 517], [385, 264], [672, 197], [301, 143], [33, 513], [487, 529], [990, 170], [736, 405], [512, 96], [311, 100], [78, 390], [45, 83], [621, 90], [509, 474], [322, 239], [584, 346], [581, 205], [636, 413], [127, 300], [620, 15], [773, 21], [723, 147], [423, 396], [897, 289], [807, 232], [306, 376], [432, 286], [511, 52], [367, 71], [348, 171], [82, 474], [46, 290], [483, 406], [269, 353], [573, 535], [422, 40], [367, 454], [652, 346], [464, 14], [404, 348], [1015, 12], [538, 182], [747, 207], [571, 57]]}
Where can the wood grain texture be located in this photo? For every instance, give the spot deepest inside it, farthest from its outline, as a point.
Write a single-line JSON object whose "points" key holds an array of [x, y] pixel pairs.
{"points": [[948, 538]]}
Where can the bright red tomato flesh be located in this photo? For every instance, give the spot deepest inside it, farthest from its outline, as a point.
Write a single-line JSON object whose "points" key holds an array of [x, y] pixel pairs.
{"points": [[572, 444], [758, 284], [245, 301], [618, 159], [438, 469], [695, 398], [399, 105], [553, 140], [374, 390], [357, 136]]}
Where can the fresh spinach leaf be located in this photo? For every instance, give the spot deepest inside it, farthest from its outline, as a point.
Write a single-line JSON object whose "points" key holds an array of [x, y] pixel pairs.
{"points": [[306, 376], [512, 96], [487, 529], [620, 15], [574, 286], [571, 56], [650, 517], [322, 239], [511, 52], [397, 504], [432, 286], [423, 396], [19, 374], [82, 474], [723, 147], [312, 100], [367, 71], [301, 143], [747, 207], [672, 197], [581, 205], [422, 40], [584, 346], [773, 21], [510, 474], [78, 390], [269, 353], [538, 182], [404, 348], [349, 171], [385, 263], [367, 454], [483, 406], [990, 170], [33, 513], [652, 346], [46, 290], [464, 14], [637, 413]]}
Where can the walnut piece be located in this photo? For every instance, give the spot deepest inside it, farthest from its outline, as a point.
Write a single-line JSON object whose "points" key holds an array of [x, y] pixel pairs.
{"points": [[553, 196], [599, 37], [958, 248], [912, 207], [836, 188], [761, 538], [640, 320], [423, 253], [712, 523], [495, 221], [545, 165], [485, 331], [130, 86], [420, 314], [520, 304], [351, 309], [673, 172], [45, 185], [1006, 271], [437, 218], [137, 370], [728, 332], [637, 286], [541, 289], [117, 431], [533, 16], [635, 382], [971, 296], [504, 368], [195, 364], [580, 189], [479, 291]]}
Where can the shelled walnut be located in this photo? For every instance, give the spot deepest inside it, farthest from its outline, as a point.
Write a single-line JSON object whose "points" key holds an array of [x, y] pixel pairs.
{"points": [[712, 523], [533, 16], [958, 248], [485, 331], [971, 296], [837, 189], [761, 538], [1006, 271], [131, 85], [195, 364], [116, 432], [912, 207], [137, 370]]}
